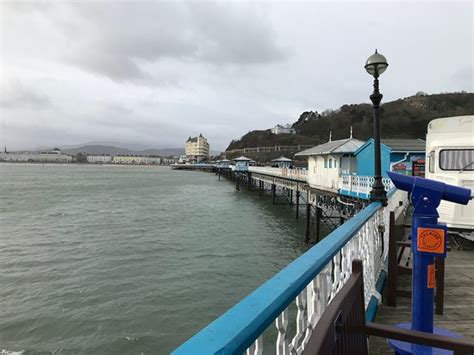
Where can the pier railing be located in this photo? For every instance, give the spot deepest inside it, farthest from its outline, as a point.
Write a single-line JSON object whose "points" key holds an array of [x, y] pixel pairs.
{"points": [[310, 282], [295, 174], [360, 186], [273, 148]]}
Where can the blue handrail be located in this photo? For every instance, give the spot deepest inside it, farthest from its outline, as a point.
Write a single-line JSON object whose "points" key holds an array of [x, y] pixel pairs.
{"points": [[235, 330]]}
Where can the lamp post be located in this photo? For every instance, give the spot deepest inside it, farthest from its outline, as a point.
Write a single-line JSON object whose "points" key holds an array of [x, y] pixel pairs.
{"points": [[375, 66]]}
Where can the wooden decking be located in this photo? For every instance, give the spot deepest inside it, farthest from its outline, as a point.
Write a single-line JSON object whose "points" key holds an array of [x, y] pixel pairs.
{"points": [[458, 304]]}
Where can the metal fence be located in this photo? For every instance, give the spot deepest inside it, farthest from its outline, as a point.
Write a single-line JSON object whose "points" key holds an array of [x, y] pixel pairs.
{"points": [[295, 174], [273, 148]]}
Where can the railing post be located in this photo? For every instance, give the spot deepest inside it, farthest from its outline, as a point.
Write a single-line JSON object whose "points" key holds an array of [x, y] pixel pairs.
{"points": [[392, 263]]}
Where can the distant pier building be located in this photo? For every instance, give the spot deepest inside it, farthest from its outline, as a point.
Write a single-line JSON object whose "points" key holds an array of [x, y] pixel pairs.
{"points": [[282, 162]]}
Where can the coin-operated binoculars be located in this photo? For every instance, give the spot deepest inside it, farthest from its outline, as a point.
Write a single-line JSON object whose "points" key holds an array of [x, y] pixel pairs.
{"points": [[428, 239]]}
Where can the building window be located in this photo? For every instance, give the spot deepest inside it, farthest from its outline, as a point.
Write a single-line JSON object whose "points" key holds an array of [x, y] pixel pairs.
{"points": [[325, 163], [335, 163], [456, 159], [330, 163]]}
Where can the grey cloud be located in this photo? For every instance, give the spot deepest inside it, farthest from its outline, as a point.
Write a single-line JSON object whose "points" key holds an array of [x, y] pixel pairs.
{"points": [[464, 76], [17, 96], [217, 68], [115, 39]]}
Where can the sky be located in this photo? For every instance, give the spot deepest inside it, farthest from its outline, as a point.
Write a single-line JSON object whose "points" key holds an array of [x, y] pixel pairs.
{"points": [[153, 73]]}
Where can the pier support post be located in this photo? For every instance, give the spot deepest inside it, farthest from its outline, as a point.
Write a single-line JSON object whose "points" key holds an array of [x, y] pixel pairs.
{"points": [[318, 223], [308, 222], [291, 196], [237, 182], [273, 192], [297, 204]]}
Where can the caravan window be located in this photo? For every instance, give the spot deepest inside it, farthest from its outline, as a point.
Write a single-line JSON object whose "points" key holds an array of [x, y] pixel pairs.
{"points": [[456, 159], [431, 161]]}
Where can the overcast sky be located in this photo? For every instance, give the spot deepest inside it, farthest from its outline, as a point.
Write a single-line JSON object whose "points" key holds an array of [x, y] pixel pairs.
{"points": [[154, 73]]}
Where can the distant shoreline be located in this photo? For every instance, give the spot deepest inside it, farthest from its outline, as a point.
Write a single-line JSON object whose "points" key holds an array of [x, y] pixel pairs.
{"points": [[84, 164]]}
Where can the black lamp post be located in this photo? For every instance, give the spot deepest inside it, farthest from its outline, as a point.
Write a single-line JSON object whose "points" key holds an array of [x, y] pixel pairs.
{"points": [[375, 66]]}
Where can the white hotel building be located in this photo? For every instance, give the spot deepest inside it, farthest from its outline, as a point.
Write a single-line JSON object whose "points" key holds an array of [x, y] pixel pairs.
{"points": [[197, 149]]}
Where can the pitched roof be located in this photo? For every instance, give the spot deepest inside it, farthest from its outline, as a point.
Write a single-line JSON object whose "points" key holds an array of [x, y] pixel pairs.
{"points": [[242, 158], [348, 145], [405, 145], [282, 158]]}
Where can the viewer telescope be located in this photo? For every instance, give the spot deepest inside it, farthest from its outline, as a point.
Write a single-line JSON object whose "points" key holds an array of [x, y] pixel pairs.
{"points": [[431, 191], [428, 240]]}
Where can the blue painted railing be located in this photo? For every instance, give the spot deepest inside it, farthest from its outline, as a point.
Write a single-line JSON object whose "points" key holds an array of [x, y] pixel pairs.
{"points": [[239, 327]]}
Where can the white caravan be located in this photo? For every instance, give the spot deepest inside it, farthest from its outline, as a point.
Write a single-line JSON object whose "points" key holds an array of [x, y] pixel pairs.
{"points": [[450, 159]]}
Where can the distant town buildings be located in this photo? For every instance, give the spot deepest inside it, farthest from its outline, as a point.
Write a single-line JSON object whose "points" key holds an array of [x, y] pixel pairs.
{"points": [[56, 156], [99, 159], [197, 149], [50, 156], [136, 160], [286, 129]]}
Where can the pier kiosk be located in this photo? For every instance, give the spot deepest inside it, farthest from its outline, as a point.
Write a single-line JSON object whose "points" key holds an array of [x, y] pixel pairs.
{"points": [[428, 239]]}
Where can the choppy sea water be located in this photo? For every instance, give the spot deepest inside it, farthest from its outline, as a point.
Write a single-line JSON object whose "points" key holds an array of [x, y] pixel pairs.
{"points": [[128, 259]]}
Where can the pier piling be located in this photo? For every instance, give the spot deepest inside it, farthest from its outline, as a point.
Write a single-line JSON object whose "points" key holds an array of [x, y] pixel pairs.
{"points": [[297, 203], [318, 223], [308, 222]]}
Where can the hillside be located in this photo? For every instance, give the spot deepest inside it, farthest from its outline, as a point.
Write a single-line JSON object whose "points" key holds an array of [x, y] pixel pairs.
{"points": [[403, 118]]}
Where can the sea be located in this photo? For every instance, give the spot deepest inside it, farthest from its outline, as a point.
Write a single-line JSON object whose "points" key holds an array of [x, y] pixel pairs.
{"points": [[102, 259]]}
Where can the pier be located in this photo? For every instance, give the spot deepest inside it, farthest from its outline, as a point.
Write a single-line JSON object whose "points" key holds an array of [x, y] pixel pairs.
{"points": [[310, 282], [302, 291], [352, 262]]}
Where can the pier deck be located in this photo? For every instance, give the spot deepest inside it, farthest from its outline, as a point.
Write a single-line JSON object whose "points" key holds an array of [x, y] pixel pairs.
{"points": [[458, 303]]}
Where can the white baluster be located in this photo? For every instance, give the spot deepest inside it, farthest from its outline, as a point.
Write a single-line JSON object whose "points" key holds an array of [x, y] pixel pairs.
{"points": [[301, 320], [251, 349], [281, 324]]}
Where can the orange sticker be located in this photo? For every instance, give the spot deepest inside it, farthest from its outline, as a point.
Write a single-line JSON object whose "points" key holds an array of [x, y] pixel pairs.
{"points": [[430, 240], [430, 277]]}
